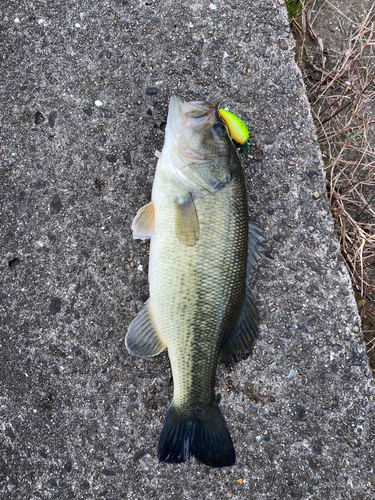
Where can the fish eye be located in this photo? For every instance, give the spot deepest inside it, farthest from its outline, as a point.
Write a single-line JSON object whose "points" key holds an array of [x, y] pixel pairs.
{"points": [[220, 129]]}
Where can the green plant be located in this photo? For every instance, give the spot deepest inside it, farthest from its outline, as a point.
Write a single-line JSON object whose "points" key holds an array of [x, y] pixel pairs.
{"points": [[294, 7]]}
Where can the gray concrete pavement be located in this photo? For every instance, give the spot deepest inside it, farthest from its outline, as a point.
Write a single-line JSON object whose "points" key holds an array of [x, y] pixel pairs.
{"points": [[84, 89]]}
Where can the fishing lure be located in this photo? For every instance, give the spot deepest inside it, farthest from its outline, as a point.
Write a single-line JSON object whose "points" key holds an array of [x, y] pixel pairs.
{"points": [[237, 129]]}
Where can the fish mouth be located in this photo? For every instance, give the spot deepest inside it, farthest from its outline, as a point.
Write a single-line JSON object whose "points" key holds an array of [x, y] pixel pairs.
{"points": [[193, 115]]}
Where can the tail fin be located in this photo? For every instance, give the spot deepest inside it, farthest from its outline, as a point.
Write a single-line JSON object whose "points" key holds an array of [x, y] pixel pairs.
{"points": [[199, 433]]}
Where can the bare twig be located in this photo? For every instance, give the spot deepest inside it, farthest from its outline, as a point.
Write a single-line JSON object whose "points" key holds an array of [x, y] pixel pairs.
{"points": [[339, 96]]}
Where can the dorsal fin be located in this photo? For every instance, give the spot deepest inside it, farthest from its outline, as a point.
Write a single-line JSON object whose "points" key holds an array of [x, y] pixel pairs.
{"points": [[255, 238], [244, 334]]}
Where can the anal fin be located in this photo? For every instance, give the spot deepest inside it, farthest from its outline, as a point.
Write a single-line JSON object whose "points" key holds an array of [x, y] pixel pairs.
{"points": [[244, 333], [144, 222], [186, 222], [142, 338]]}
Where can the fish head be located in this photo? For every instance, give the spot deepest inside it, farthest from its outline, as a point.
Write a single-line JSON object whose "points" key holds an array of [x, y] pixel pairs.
{"points": [[197, 152]]}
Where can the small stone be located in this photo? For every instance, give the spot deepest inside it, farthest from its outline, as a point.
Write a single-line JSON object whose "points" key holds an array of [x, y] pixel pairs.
{"points": [[356, 329], [77, 25], [356, 357], [108, 472], [269, 139], [111, 158], [96, 79], [17, 20], [311, 228], [152, 90], [268, 254], [39, 118], [99, 104], [212, 6], [315, 195], [55, 205], [55, 305], [313, 173], [85, 485], [127, 158], [52, 118], [14, 262], [281, 2], [68, 466]]}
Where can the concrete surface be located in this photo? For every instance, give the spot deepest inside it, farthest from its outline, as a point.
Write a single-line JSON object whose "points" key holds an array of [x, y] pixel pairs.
{"points": [[80, 417]]}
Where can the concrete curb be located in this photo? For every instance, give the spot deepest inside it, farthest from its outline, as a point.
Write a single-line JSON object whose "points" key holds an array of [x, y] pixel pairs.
{"points": [[84, 93]]}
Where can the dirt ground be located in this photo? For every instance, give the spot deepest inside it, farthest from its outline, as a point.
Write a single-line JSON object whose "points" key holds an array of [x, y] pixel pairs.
{"points": [[334, 50]]}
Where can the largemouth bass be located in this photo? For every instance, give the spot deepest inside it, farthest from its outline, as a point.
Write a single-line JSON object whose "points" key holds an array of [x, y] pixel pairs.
{"points": [[201, 247]]}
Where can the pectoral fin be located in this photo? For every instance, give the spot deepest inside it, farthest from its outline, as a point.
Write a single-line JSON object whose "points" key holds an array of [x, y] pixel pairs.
{"points": [[144, 222], [244, 334], [186, 222], [142, 338]]}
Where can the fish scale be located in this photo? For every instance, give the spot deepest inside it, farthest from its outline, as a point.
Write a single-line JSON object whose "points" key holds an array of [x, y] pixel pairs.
{"points": [[210, 294]]}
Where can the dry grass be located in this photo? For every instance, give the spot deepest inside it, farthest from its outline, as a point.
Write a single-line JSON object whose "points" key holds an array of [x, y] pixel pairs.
{"points": [[341, 90]]}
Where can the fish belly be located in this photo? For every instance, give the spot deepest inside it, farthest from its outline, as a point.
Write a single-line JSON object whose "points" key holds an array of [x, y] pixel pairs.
{"points": [[196, 291]]}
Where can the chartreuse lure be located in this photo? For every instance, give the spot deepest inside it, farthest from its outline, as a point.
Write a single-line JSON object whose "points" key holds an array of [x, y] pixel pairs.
{"points": [[237, 129]]}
